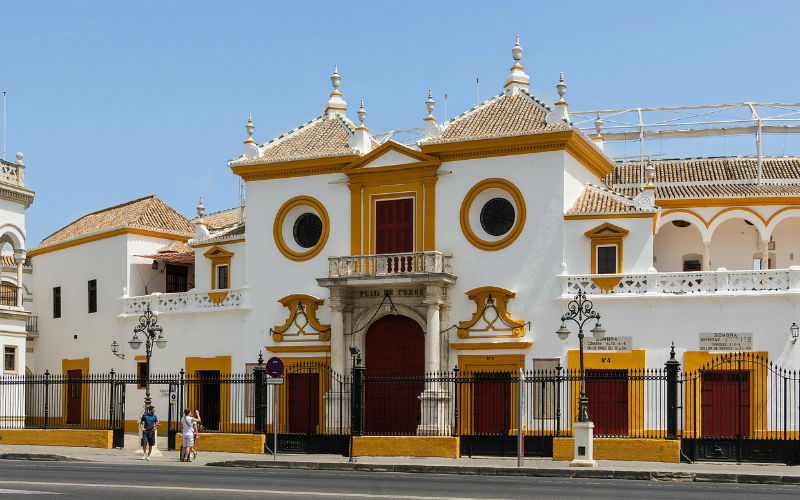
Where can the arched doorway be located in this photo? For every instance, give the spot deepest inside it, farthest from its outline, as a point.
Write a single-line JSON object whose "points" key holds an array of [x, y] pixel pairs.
{"points": [[394, 353]]}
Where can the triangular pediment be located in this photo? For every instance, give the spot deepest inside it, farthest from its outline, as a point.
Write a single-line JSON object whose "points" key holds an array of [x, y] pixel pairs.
{"points": [[606, 229], [390, 154]]}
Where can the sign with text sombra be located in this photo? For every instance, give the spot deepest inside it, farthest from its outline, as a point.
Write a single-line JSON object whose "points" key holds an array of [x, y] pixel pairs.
{"points": [[612, 344], [726, 341]]}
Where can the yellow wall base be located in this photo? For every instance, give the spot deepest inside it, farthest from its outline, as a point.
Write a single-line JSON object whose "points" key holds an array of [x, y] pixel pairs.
{"points": [[644, 450], [231, 443], [58, 437], [406, 446]]}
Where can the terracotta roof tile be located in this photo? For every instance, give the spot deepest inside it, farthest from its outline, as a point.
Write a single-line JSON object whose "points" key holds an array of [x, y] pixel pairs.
{"points": [[223, 218], [724, 177], [7, 260], [597, 200], [504, 115], [176, 252], [148, 212]]}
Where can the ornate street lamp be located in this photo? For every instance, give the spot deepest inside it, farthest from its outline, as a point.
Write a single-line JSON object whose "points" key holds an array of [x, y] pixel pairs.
{"points": [[794, 331], [153, 334], [580, 311]]}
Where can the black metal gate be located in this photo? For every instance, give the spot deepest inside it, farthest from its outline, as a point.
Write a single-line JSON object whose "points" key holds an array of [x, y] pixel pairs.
{"points": [[312, 410], [741, 407], [117, 413]]}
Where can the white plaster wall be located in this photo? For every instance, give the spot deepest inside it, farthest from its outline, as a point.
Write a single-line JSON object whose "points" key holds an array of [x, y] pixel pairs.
{"points": [[13, 340], [576, 176], [71, 268], [141, 275], [637, 246], [733, 244], [12, 217], [787, 243], [671, 243]]}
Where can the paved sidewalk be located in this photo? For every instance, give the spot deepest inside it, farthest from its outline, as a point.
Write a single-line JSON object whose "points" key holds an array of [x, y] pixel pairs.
{"points": [[703, 471]]}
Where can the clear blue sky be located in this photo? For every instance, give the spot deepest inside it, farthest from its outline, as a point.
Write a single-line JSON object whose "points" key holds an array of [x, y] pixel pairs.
{"points": [[111, 101]]}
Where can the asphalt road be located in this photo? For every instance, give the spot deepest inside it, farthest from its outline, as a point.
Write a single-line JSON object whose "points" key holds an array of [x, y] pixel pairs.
{"points": [[151, 481]]}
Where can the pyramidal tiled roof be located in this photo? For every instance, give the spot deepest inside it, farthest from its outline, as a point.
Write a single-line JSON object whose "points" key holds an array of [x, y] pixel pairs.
{"points": [[147, 213], [320, 137], [721, 177], [223, 218], [506, 114], [599, 200]]}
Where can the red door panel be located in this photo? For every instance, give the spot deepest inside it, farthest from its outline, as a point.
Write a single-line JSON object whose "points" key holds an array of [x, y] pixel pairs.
{"points": [[303, 399], [607, 391], [394, 226], [74, 397], [491, 403], [394, 349], [724, 393]]}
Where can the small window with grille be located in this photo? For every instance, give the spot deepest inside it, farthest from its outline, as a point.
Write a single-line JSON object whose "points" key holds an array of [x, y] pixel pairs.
{"points": [[57, 302], [177, 278], [10, 359], [92, 296], [222, 276], [8, 294], [607, 259]]}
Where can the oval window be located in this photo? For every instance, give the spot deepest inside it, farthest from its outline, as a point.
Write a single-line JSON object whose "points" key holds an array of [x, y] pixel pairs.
{"points": [[307, 230], [497, 216]]}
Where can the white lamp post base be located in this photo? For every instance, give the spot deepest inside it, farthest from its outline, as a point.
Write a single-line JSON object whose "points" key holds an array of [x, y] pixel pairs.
{"points": [[583, 455]]}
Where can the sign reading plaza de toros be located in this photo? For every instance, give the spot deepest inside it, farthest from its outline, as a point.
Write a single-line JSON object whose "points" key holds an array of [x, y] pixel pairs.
{"points": [[720, 341]]}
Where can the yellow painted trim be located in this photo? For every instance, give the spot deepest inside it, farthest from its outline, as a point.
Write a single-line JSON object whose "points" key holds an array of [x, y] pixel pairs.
{"points": [[226, 242], [570, 141], [418, 157], [58, 437], [277, 228], [634, 360], [228, 443], [475, 346], [600, 237], [299, 348], [731, 209], [406, 446], [282, 395], [355, 218], [482, 297], [293, 168], [779, 212], [625, 449], [310, 304], [221, 364], [219, 257], [109, 234], [610, 216], [690, 212], [140, 357], [217, 297], [469, 364], [694, 361], [725, 202], [519, 223]]}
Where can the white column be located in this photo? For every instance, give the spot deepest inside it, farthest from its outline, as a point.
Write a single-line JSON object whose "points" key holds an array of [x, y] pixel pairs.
{"points": [[432, 347], [337, 335], [19, 259], [764, 247], [706, 256]]}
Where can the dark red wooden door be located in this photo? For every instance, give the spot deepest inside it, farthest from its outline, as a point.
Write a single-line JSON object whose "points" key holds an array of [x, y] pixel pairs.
{"points": [[491, 403], [395, 363], [74, 397], [208, 398], [724, 393], [394, 226], [607, 391], [303, 402]]}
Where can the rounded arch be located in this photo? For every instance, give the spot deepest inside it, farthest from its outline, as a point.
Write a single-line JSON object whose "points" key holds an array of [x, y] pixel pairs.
{"points": [[780, 216], [689, 216], [366, 318], [13, 235], [747, 214]]}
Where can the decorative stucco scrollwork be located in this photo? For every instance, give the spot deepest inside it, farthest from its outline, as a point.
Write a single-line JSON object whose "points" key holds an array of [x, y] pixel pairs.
{"points": [[302, 324], [491, 318]]}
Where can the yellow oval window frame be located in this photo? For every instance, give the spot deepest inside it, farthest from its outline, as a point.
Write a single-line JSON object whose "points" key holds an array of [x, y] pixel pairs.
{"points": [[277, 229], [519, 223]]}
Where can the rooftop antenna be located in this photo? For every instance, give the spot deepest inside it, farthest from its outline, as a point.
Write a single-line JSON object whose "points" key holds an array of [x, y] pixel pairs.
{"points": [[477, 94], [445, 106], [4, 124]]}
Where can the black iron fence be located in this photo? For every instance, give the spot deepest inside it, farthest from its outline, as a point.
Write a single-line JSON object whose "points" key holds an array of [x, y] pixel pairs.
{"points": [[735, 403]]}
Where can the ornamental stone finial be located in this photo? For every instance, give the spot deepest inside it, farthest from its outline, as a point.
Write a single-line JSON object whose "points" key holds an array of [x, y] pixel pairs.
{"points": [[362, 113], [20, 156], [516, 52], [598, 124], [335, 104], [517, 79], [429, 103], [562, 88], [250, 127], [201, 210]]}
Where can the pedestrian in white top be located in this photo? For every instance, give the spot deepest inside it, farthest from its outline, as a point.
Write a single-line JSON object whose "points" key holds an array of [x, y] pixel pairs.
{"points": [[188, 433]]}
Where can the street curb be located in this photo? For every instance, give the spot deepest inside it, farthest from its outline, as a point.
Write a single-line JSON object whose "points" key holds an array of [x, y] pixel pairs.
{"points": [[529, 472], [39, 457]]}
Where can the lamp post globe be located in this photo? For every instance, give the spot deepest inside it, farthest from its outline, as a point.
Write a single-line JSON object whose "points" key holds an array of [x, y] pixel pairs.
{"points": [[153, 334]]}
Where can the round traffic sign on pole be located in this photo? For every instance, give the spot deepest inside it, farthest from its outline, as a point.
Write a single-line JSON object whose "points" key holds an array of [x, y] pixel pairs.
{"points": [[275, 367]]}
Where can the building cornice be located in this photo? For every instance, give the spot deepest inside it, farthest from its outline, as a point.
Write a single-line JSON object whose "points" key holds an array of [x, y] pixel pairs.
{"points": [[16, 194], [108, 233]]}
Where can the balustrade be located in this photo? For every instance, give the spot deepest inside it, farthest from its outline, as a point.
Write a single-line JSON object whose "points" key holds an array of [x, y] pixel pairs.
{"points": [[191, 301], [389, 264]]}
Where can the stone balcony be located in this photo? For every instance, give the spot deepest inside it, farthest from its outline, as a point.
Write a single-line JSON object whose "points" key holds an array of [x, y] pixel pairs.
{"points": [[722, 282], [193, 301], [431, 266]]}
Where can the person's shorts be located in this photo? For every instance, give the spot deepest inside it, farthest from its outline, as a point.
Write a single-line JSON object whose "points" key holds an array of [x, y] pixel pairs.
{"points": [[188, 440], [149, 437]]}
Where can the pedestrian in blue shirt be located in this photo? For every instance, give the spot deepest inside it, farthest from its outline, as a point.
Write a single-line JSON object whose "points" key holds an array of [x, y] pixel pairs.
{"points": [[148, 424]]}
